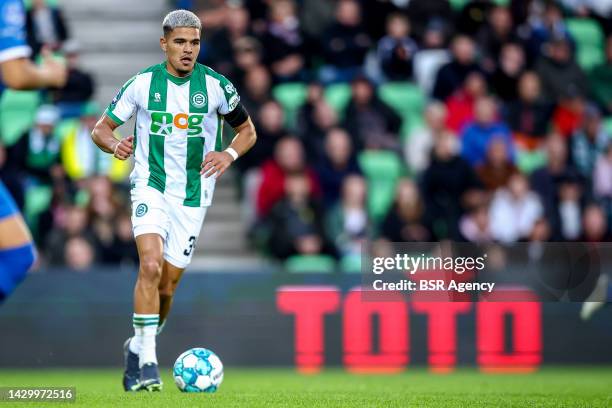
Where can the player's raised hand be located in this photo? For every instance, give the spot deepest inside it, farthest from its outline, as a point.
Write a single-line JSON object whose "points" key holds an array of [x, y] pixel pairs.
{"points": [[124, 148], [215, 163]]}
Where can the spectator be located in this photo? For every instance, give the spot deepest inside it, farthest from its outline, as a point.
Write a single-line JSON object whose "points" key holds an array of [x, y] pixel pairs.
{"points": [[288, 159], [45, 26], [80, 157], [477, 135], [475, 225], [284, 42], [348, 223], [378, 11], [602, 176], [123, 250], [315, 119], [217, 49], [452, 75], [256, 90], [472, 17], [247, 54], [559, 73], [460, 105], [588, 143], [528, 116], [417, 149], [338, 163], [370, 122], [396, 49], [546, 181], [344, 44], [74, 223], [315, 16], [600, 79], [594, 225], [79, 255], [544, 28], [102, 207], [296, 221], [567, 116], [79, 86], [430, 57], [448, 186], [506, 76], [270, 129], [514, 211], [497, 32], [405, 221], [426, 15], [570, 208], [497, 169], [35, 155]]}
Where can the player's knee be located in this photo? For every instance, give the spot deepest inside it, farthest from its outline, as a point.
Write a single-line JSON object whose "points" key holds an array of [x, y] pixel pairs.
{"points": [[151, 269]]}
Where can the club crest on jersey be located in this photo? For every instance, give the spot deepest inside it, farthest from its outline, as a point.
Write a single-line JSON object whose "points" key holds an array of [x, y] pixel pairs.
{"points": [[157, 97], [141, 209], [198, 99]]}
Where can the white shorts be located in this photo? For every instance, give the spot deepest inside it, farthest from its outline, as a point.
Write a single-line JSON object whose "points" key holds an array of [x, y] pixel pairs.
{"points": [[178, 225]]}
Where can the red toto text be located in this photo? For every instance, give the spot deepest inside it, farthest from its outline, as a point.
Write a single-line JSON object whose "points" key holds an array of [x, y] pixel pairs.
{"points": [[310, 304]]}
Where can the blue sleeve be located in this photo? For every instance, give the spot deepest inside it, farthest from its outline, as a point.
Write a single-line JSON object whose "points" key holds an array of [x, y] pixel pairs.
{"points": [[12, 31], [7, 205]]}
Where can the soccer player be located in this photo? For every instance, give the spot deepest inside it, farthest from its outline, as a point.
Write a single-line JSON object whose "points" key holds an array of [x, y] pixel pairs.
{"points": [[180, 106], [17, 253]]}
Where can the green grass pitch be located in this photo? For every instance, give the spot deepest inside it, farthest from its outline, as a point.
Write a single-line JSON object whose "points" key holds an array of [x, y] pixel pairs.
{"points": [[416, 387]]}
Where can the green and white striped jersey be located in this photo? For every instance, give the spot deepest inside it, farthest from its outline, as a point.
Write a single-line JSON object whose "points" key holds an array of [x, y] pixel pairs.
{"points": [[178, 121]]}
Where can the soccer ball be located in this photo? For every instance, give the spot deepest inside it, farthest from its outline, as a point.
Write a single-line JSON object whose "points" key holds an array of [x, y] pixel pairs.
{"points": [[198, 370]]}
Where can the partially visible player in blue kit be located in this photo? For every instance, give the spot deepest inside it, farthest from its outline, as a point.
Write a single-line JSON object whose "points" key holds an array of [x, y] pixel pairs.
{"points": [[17, 252]]}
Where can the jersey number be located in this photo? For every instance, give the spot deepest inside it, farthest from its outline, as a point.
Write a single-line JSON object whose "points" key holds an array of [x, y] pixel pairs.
{"points": [[192, 240]]}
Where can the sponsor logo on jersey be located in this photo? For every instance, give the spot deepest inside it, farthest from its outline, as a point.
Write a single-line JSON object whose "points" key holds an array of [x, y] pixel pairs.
{"points": [[163, 123], [141, 209], [233, 102], [198, 99], [157, 97]]}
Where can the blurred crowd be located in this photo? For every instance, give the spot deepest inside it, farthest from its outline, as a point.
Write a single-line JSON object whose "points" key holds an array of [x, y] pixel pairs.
{"points": [[498, 130], [511, 143], [72, 194]]}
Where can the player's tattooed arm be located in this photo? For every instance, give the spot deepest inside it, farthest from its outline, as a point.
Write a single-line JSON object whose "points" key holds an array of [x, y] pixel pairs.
{"points": [[218, 162], [104, 137]]}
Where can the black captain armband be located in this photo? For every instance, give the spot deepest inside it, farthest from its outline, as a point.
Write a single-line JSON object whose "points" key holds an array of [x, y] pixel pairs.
{"points": [[237, 117]]}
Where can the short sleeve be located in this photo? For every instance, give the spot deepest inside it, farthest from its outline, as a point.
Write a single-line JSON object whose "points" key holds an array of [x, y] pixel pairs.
{"points": [[230, 98], [12, 31], [123, 105]]}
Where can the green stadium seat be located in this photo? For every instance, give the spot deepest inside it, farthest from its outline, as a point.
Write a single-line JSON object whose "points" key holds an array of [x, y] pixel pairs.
{"points": [[310, 264], [382, 170], [37, 200], [291, 97], [52, 3], [589, 41], [528, 161], [338, 96], [607, 124], [407, 100], [589, 58], [350, 263], [17, 110], [458, 5]]}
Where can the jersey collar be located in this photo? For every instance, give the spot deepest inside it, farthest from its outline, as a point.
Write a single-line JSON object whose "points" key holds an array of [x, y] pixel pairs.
{"points": [[177, 80]]}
